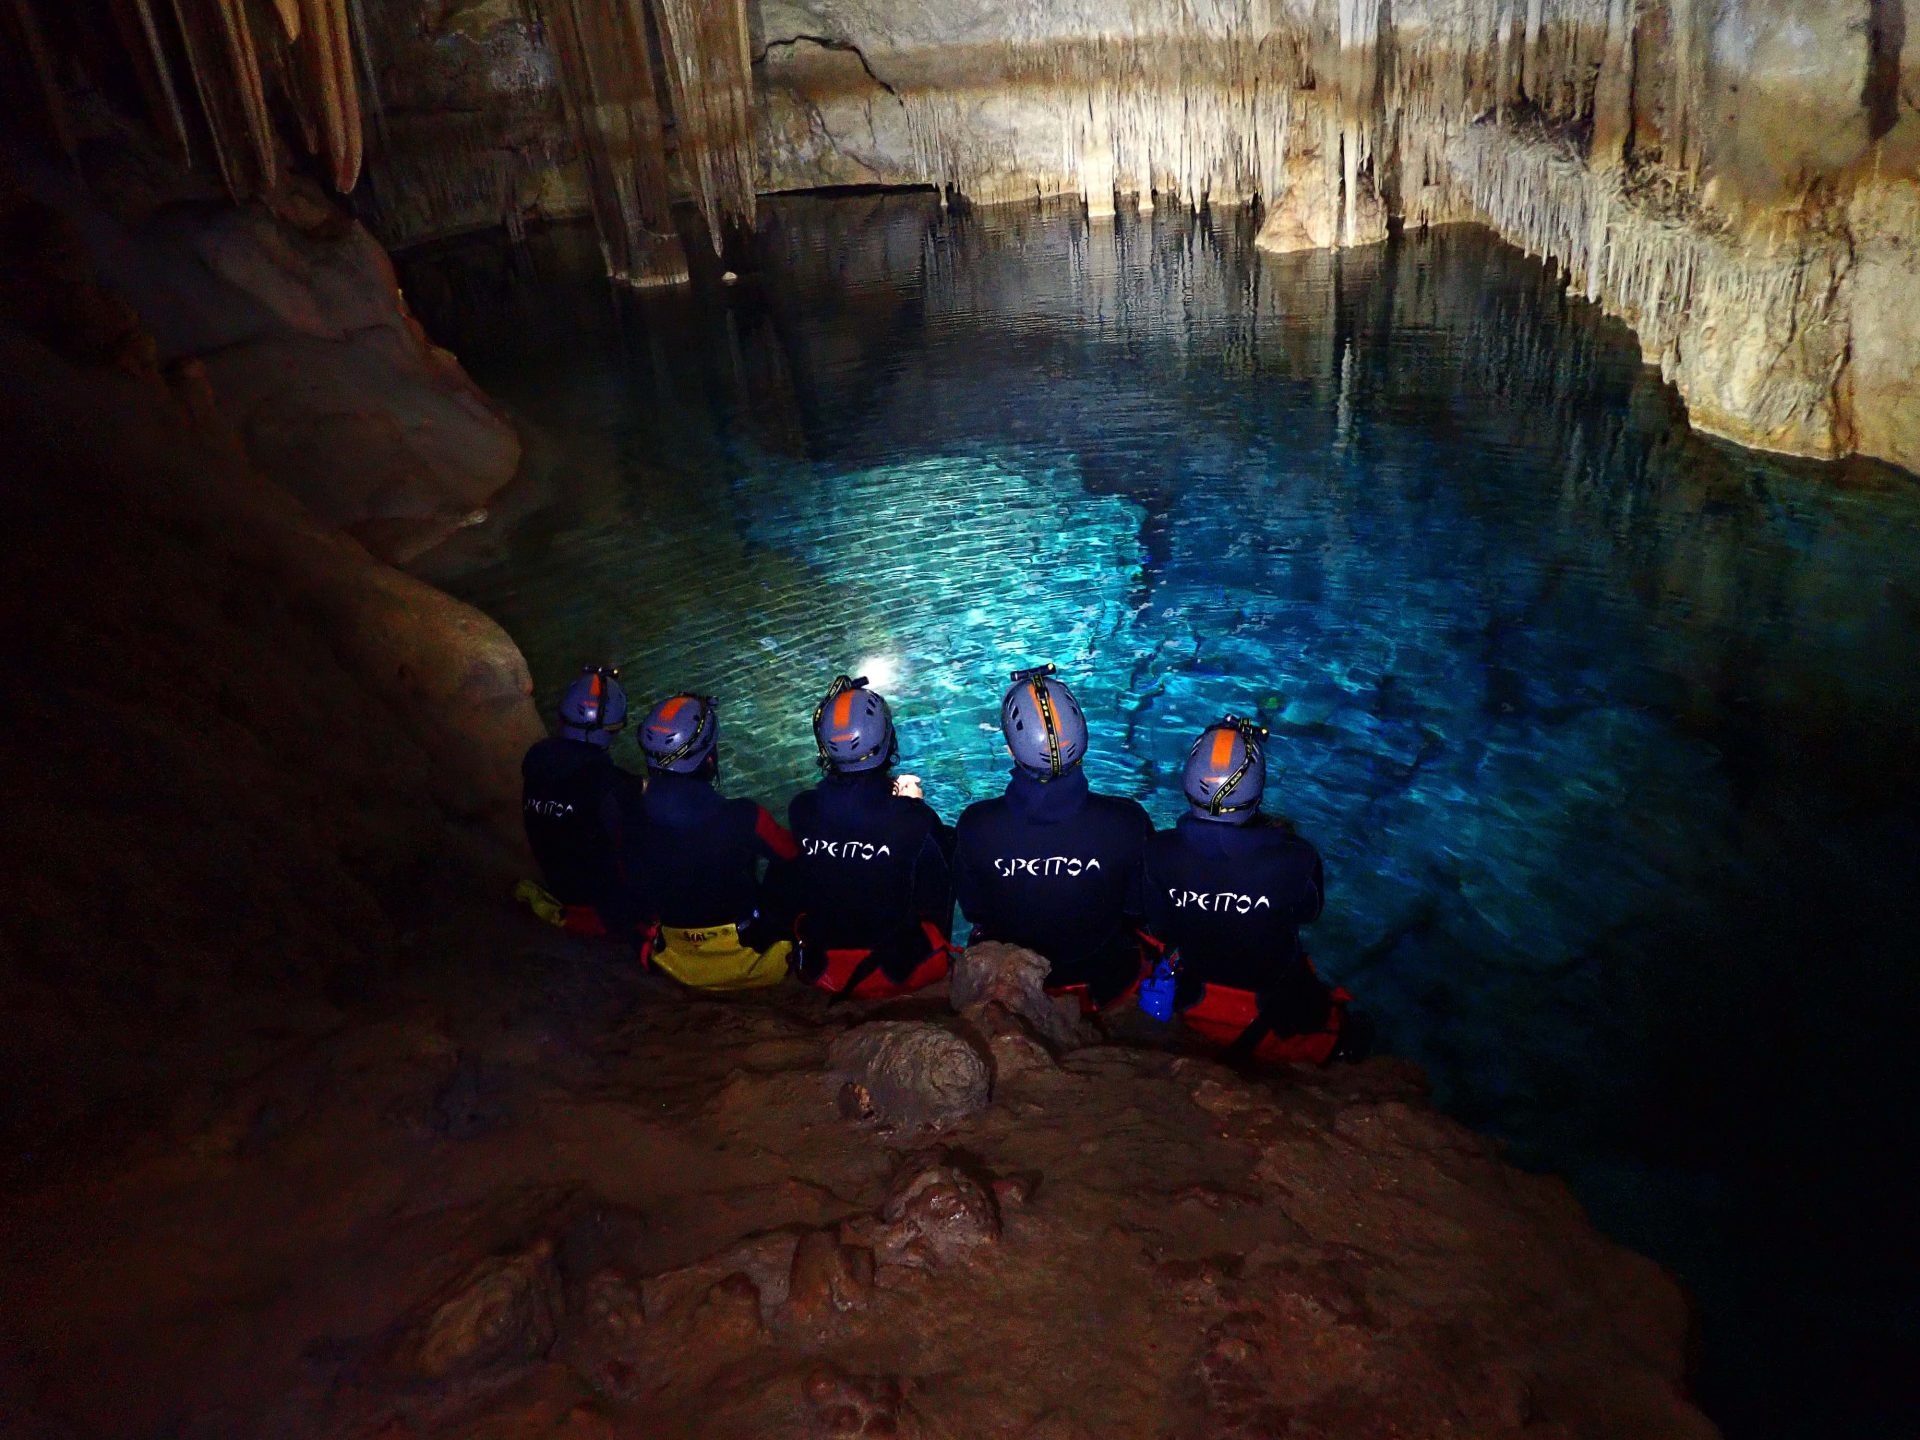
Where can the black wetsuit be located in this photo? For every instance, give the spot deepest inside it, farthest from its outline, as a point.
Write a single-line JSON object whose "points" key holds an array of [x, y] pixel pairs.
{"points": [[1056, 869], [572, 798], [692, 857], [873, 865], [1231, 899]]}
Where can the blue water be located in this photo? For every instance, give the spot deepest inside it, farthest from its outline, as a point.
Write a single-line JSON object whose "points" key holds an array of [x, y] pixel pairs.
{"points": [[1608, 732]]}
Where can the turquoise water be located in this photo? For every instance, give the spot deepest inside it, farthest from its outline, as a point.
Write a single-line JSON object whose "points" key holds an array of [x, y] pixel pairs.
{"points": [[1608, 732]]}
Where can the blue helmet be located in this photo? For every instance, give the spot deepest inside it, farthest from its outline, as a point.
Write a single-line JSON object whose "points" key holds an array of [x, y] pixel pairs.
{"points": [[681, 734], [1227, 771], [594, 709], [1044, 727], [853, 728]]}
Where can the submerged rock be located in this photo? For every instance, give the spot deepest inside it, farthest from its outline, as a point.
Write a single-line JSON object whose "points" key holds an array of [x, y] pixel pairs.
{"points": [[910, 1073]]}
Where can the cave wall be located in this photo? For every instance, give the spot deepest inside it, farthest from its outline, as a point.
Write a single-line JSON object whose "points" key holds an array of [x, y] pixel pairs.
{"points": [[467, 125], [1736, 178], [242, 754]]}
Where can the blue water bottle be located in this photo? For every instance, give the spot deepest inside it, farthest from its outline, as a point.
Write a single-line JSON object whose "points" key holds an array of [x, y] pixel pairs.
{"points": [[1156, 992]]}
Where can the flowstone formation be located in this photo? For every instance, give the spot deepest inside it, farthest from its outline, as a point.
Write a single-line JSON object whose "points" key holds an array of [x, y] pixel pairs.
{"points": [[660, 1223], [1740, 182]]}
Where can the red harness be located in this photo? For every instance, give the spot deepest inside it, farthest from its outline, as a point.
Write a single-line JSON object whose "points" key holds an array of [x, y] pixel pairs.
{"points": [[877, 984]]}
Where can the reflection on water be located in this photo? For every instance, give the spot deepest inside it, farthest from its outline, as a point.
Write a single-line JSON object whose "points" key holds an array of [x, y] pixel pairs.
{"points": [[1608, 732]]}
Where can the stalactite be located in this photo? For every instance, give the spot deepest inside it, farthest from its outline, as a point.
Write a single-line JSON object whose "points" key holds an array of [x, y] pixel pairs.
{"points": [[606, 71], [326, 53], [710, 77], [243, 61], [1613, 93], [140, 37], [203, 36], [40, 61]]}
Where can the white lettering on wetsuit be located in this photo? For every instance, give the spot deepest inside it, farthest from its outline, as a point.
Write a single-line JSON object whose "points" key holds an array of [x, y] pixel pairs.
{"points": [[846, 849], [552, 809], [1044, 865], [1219, 901]]}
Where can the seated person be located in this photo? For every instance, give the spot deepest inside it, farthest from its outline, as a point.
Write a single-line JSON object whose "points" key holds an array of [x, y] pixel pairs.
{"points": [[692, 860], [1050, 866], [571, 798], [1227, 890], [872, 884]]}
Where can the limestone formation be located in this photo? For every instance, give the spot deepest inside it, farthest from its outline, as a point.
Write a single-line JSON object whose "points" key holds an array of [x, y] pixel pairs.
{"points": [[1013, 981], [1735, 181], [910, 1073], [936, 1216], [504, 1311]]}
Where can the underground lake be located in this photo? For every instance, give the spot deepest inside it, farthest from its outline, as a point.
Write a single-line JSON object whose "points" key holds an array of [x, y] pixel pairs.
{"points": [[1607, 730]]}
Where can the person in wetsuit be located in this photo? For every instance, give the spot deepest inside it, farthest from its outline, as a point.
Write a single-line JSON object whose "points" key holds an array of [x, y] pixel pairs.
{"points": [[692, 860], [572, 797], [1049, 865], [872, 884], [1227, 890]]}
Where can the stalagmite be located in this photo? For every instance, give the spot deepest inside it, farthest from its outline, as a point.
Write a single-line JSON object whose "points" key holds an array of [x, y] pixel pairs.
{"points": [[710, 77], [606, 71]]}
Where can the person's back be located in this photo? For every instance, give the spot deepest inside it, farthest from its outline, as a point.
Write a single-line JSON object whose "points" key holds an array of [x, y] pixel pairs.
{"points": [[692, 857], [1049, 865], [1232, 900], [872, 883], [1227, 890], [572, 797]]}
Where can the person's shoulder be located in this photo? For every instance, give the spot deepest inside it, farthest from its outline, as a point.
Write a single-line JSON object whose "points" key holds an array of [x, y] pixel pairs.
{"points": [[1126, 809], [981, 812], [803, 804], [1278, 835]]}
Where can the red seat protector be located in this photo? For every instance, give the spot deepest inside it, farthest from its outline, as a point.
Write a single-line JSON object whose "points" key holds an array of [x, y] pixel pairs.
{"points": [[879, 986], [1224, 1012]]}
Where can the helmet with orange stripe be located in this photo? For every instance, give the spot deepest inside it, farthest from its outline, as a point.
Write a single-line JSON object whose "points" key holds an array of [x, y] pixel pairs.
{"points": [[594, 709], [681, 734], [1227, 771], [1045, 730], [853, 728]]}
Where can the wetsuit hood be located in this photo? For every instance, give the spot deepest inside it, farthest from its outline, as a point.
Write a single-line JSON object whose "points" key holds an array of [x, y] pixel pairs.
{"points": [[843, 796], [679, 799], [1047, 802]]}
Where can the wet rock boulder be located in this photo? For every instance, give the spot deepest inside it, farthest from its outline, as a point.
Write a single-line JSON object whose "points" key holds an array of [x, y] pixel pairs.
{"points": [[935, 1217], [504, 1312], [910, 1073], [1014, 980]]}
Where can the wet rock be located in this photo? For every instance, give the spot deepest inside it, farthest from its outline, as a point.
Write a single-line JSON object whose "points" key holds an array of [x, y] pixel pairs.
{"points": [[1012, 1045], [1015, 980], [828, 1278], [936, 1217], [910, 1073], [765, 1261], [846, 1405], [729, 1314], [504, 1312]]}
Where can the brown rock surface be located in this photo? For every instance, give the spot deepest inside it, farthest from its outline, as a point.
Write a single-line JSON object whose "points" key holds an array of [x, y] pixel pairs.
{"points": [[1325, 1254], [909, 1073]]}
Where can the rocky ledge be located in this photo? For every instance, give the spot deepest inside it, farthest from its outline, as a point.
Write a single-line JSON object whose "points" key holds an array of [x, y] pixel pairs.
{"points": [[574, 1202]]}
